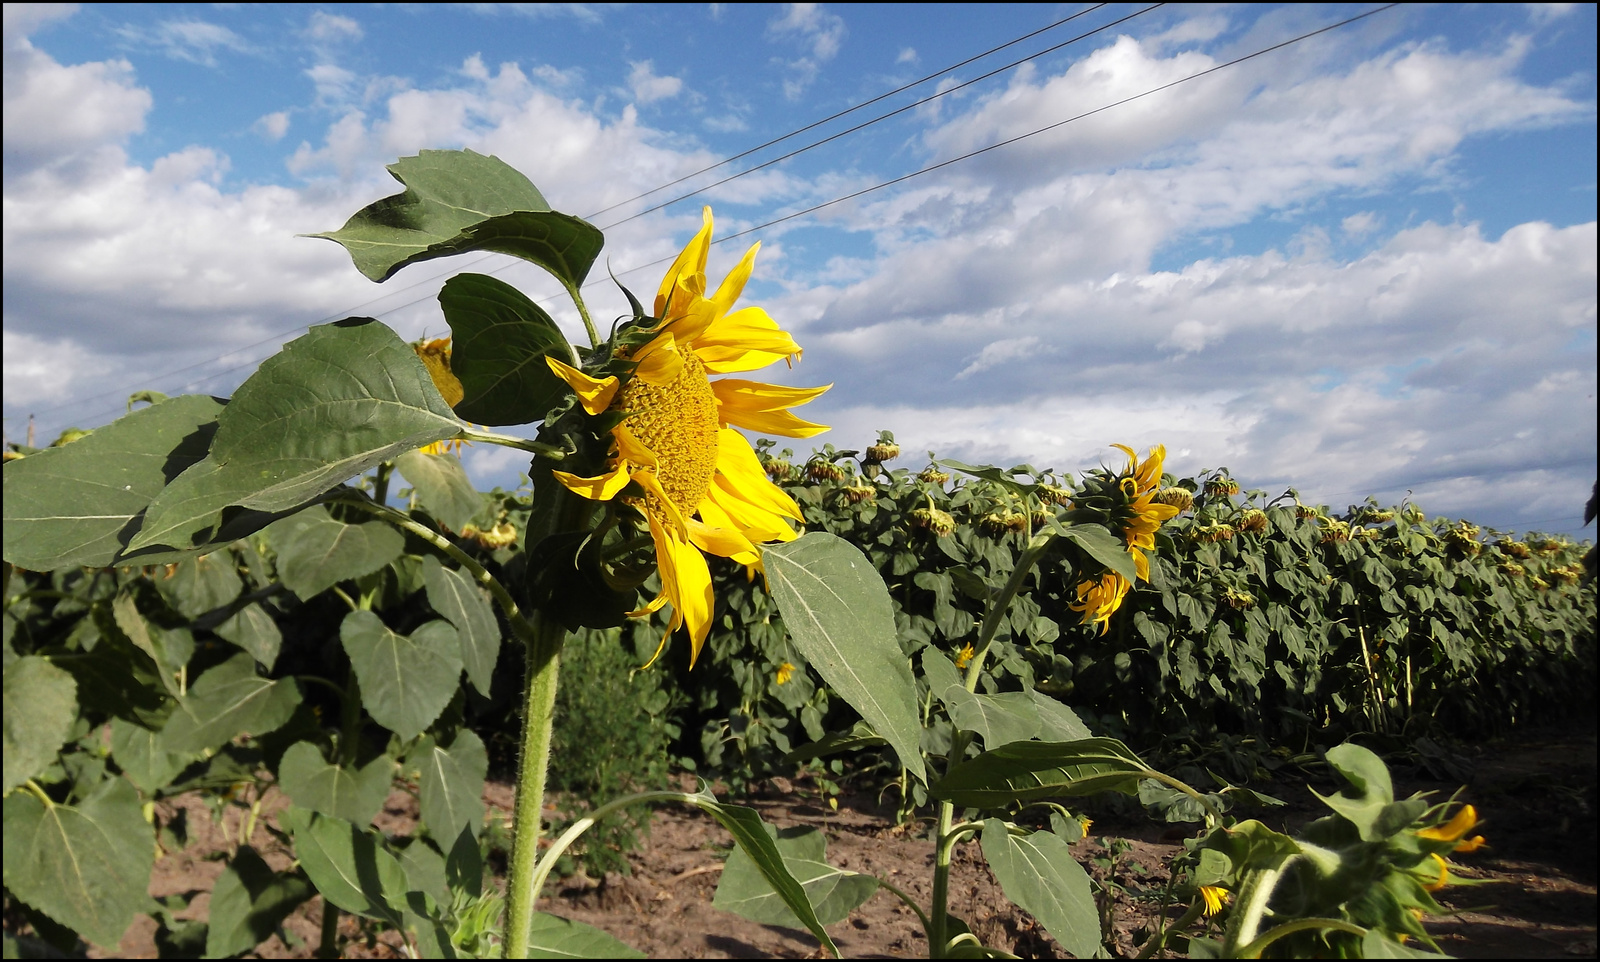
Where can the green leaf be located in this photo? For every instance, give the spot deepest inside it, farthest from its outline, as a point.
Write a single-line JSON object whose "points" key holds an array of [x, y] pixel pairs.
{"points": [[499, 343], [333, 403], [999, 719], [252, 629], [227, 700], [938, 669], [81, 503], [1031, 771], [153, 641], [451, 788], [833, 893], [457, 201], [1039, 873], [425, 870], [1057, 722], [201, 584], [442, 485], [249, 902], [348, 866], [353, 794], [839, 616], [1175, 806], [85, 866], [463, 865], [41, 703], [1104, 547], [858, 737], [315, 552], [142, 756], [756, 838], [405, 680], [1367, 800], [557, 938], [459, 600]]}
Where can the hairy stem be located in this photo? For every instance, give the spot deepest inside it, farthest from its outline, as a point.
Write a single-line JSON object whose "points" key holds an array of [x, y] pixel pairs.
{"points": [[583, 312], [537, 718], [1254, 949], [507, 441]]}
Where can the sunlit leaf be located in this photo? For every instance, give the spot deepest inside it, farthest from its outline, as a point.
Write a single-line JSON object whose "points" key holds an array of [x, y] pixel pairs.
{"points": [[349, 867], [833, 892], [81, 503], [249, 902], [442, 486], [451, 786], [330, 405], [457, 201], [998, 719], [550, 937], [839, 616], [353, 794], [316, 552], [228, 700], [1031, 771], [1038, 873]]}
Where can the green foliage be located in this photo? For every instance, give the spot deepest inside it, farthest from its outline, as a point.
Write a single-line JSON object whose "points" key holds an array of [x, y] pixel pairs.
{"points": [[833, 892]]}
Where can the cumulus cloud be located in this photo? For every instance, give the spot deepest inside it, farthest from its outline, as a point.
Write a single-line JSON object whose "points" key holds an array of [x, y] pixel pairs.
{"points": [[332, 28], [647, 87], [272, 126], [819, 32], [56, 113]]}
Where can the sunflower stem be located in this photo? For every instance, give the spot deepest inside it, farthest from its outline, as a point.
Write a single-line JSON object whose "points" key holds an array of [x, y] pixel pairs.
{"points": [[538, 715], [506, 440], [583, 312]]}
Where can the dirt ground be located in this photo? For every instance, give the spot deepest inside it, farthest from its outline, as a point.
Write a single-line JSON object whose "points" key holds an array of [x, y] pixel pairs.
{"points": [[1537, 897]]}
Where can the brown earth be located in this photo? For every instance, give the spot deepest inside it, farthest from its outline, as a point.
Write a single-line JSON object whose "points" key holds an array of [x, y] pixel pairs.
{"points": [[1536, 898]]}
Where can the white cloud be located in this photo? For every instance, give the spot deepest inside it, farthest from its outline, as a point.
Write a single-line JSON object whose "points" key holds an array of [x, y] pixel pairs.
{"points": [[647, 87], [56, 113], [197, 41], [999, 352], [907, 55], [272, 126], [821, 33], [1359, 225], [332, 28]]}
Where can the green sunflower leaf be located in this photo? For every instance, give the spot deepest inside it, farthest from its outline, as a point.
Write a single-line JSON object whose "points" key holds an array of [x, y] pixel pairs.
{"points": [[457, 201], [455, 596], [550, 937], [330, 405], [82, 503], [1030, 771], [351, 868], [86, 866], [1038, 873], [500, 340], [353, 794], [451, 787], [41, 703], [406, 680], [227, 700], [248, 903], [442, 485], [838, 614], [316, 552]]}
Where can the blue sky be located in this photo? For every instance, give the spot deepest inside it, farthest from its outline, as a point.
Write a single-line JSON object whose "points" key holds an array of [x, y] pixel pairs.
{"points": [[1361, 264]]}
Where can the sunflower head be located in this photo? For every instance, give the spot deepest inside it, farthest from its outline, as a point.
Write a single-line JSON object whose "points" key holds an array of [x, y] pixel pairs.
{"points": [[663, 425], [884, 450], [435, 356], [932, 475], [1099, 598], [1253, 521]]}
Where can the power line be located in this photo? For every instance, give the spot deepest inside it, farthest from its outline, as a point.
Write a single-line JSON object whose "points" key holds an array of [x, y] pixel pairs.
{"points": [[865, 103], [898, 110], [277, 337]]}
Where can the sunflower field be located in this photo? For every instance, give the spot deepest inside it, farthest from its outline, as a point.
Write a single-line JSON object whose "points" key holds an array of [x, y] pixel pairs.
{"points": [[297, 593]]}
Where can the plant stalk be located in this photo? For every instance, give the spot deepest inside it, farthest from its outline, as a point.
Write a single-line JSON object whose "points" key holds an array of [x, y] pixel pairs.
{"points": [[537, 718], [329, 949]]}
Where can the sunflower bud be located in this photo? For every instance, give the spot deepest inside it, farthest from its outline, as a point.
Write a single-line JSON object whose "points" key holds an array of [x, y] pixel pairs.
{"points": [[1334, 530], [1539, 583], [500, 536], [1512, 569], [70, 435], [1306, 512], [1041, 517], [779, 470], [1566, 574], [1213, 533], [1253, 521], [882, 451], [1242, 600], [997, 523], [1221, 488], [932, 475], [1180, 498], [820, 470]]}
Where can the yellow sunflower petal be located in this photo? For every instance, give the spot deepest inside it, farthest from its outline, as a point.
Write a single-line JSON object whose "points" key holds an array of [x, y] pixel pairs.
{"points": [[659, 361], [631, 449], [595, 394], [763, 407], [602, 487], [744, 341], [724, 542], [686, 581], [739, 472], [691, 260], [728, 510], [733, 285], [647, 479]]}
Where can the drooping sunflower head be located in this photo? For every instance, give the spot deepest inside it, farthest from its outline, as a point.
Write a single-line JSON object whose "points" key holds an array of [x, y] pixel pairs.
{"points": [[674, 456], [1099, 598]]}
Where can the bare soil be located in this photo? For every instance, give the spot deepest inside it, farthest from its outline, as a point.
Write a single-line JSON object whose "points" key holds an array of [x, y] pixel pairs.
{"points": [[1536, 897]]}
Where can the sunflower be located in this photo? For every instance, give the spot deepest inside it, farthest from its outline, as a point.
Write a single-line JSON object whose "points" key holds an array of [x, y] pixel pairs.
{"points": [[675, 455], [1099, 598], [1142, 513]]}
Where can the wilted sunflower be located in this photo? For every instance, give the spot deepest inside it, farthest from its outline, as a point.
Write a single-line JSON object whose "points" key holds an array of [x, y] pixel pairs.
{"points": [[697, 481], [1099, 598]]}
